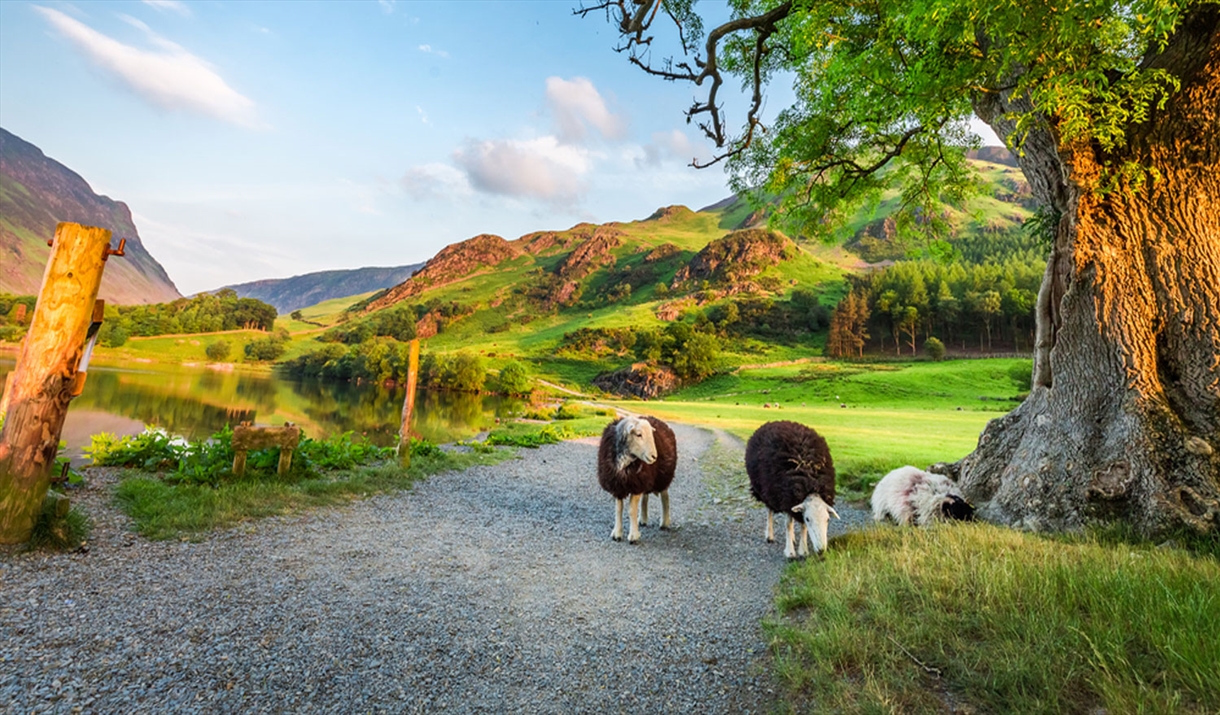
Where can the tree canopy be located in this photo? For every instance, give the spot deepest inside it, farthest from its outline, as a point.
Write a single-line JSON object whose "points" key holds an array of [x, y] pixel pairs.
{"points": [[884, 89]]}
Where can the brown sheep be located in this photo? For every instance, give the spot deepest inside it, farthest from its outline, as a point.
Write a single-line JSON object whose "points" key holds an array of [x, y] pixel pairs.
{"points": [[637, 457]]}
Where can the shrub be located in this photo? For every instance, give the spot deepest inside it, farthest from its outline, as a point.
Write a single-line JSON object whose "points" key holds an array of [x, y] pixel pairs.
{"points": [[267, 349], [934, 348], [514, 380], [218, 350], [568, 411], [115, 337]]}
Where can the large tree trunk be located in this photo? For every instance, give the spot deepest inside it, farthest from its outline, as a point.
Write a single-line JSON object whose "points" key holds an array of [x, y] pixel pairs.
{"points": [[1123, 418]]}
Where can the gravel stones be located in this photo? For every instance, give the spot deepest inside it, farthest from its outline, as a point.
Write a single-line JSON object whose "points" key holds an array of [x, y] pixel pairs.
{"points": [[496, 589]]}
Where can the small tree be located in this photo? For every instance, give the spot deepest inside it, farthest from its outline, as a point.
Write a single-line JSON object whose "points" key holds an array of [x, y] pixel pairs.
{"points": [[694, 359], [934, 348], [218, 350], [514, 379]]}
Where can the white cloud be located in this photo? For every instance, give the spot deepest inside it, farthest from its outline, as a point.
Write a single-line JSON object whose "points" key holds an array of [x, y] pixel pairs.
{"points": [[169, 6], [430, 50], [671, 145], [423, 116], [576, 103], [435, 181], [541, 168], [169, 76], [387, 6]]}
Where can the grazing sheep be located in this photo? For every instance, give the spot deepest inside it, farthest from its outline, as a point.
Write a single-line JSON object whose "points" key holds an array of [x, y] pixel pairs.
{"points": [[791, 472], [637, 457], [908, 493]]}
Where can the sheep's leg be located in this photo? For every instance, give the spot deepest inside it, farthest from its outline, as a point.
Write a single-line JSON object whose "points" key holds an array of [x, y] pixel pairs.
{"points": [[802, 547], [770, 527], [643, 510], [665, 509], [634, 508], [790, 546], [617, 532]]}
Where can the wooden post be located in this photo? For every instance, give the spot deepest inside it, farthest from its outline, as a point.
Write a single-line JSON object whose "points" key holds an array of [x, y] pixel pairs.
{"points": [[408, 406], [40, 386]]}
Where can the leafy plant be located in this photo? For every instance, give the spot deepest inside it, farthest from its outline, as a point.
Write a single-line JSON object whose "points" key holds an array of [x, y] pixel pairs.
{"points": [[152, 450]]}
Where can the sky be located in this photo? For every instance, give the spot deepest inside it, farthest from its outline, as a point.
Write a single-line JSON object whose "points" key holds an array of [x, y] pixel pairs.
{"points": [[260, 140]]}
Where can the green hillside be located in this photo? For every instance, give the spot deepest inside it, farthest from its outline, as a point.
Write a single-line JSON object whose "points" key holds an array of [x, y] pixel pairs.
{"points": [[583, 302]]}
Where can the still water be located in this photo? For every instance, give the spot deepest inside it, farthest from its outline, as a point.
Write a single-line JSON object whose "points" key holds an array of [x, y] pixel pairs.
{"points": [[195, 402]]}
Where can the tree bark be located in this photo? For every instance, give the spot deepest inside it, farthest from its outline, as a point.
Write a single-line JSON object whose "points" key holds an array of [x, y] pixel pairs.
{"points": [[1123, 419], [41, 385]]}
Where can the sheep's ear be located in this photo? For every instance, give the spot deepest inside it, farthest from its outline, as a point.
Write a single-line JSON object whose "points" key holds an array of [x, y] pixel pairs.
{"points": [[832, 511], [799, 507]]}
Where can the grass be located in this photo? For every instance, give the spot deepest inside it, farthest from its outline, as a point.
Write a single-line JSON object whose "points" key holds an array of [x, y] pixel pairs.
{"points": [[976, 618], [165, 511], [60, 533], [896, 413]]}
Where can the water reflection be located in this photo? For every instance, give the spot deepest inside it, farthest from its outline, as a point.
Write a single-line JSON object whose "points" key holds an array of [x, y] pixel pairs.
{"points": [[195, 402]]}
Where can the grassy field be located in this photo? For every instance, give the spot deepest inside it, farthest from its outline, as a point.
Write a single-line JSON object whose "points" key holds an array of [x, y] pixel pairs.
{"points": [[981, 619], [875, 417]]}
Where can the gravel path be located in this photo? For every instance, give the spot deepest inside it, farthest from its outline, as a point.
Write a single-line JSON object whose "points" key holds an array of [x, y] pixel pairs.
{"points": [[494, 590]]}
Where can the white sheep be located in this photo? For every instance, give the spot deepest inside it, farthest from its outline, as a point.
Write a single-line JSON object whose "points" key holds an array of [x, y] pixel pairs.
{"points": [[909, 493]]}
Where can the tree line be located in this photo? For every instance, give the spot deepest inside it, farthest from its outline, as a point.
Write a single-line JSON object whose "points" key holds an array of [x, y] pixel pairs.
{"points": [[386, 360], [961, 305]]}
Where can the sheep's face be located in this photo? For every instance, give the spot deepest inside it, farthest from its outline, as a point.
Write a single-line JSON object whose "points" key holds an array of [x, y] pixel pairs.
{"points": [[954, 507], [635, 441], [816, 515]]}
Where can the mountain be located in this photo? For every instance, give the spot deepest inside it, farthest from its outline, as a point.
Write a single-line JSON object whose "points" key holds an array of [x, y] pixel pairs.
{"points": [[289, 294], [36, 193], [487, 289]]}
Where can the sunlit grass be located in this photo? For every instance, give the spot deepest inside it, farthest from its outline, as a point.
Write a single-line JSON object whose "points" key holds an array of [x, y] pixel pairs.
{"points": [[913, 620], [164, 511]]}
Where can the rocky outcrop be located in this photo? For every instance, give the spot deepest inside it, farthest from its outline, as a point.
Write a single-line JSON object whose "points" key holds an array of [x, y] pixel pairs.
{"points": [[640, 380], [671, 213], [737, 256], [36, 193], [453, 263], [591, 254], [545, 243], [662, 252]]}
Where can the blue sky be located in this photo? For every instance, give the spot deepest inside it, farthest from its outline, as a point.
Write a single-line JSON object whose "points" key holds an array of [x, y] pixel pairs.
{"points": [[267, 139]]}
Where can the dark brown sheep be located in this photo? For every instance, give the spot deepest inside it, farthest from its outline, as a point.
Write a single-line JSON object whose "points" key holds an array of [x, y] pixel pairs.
{"points": [[637, 457], [791, 472]]}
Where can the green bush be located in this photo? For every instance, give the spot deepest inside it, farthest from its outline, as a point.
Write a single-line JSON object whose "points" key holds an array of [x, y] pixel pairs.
{"points": [[514, 380], [265, 349], [569, 411], [218, 350], [934, 348]]}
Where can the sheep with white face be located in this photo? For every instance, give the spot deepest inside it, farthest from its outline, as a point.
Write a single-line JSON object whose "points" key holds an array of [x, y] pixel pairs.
{"points": [[637, 457], [791, 472]]}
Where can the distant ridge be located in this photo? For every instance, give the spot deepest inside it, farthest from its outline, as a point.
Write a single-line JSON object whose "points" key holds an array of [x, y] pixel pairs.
{"points": [[36, 193], [289, 294]]}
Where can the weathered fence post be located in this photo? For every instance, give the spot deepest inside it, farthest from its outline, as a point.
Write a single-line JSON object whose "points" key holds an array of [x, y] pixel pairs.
{"points": [[41, 385], [408, 405]]}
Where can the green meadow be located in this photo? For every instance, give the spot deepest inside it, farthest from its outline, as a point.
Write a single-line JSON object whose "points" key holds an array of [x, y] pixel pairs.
{"points": [[875, 417]]}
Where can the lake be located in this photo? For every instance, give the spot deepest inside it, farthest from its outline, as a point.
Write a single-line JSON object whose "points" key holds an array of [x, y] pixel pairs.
{"points": [[196, 401]]}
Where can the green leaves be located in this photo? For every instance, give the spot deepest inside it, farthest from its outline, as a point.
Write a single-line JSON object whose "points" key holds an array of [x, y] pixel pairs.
{"points": [[885, 90]]}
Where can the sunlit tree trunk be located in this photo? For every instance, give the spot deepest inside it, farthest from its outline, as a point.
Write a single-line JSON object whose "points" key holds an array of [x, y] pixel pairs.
{"points": [[1123, 419]]}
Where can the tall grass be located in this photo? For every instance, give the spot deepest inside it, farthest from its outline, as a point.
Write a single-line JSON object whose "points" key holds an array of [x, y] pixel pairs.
{"points": [[917, 621], [164, 510]]}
